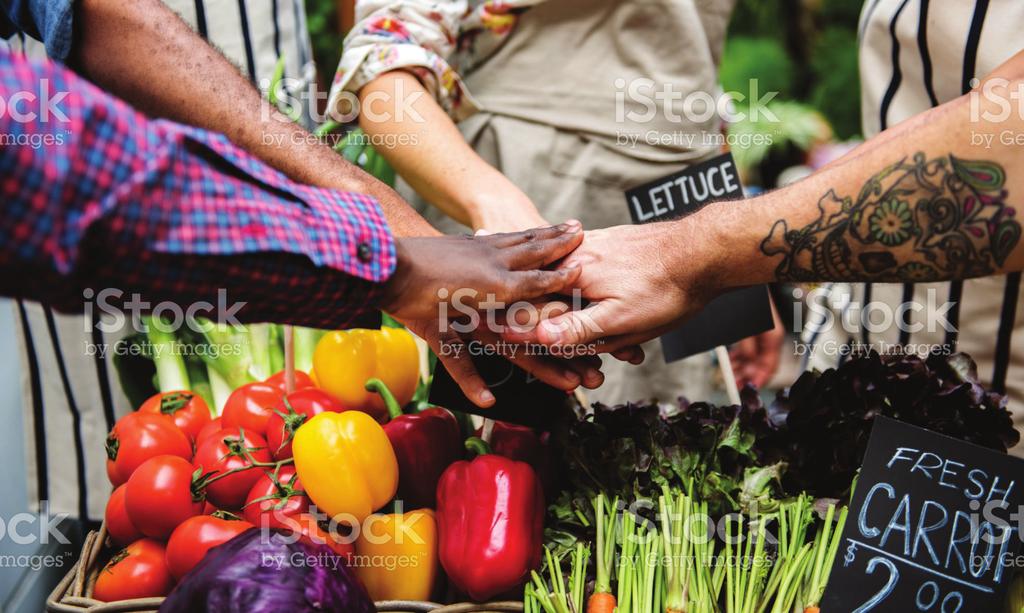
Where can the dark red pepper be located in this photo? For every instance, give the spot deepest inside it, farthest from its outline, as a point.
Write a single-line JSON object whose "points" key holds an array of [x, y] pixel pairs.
{"points": [[490, 522], [525, 445], [425, 444]]}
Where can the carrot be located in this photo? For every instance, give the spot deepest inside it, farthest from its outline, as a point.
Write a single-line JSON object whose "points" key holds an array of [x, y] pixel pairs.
{"points": [[601, 602], [812, 609]]}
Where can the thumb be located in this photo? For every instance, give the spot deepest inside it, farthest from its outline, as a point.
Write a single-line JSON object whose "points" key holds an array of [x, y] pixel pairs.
{"points": [[577, 327]]}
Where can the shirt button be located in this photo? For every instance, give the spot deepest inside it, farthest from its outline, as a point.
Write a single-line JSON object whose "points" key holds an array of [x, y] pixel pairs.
{"points": [[364, 253]]}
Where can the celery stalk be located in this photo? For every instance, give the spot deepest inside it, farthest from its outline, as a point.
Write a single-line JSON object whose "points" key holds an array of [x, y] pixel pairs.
{"points": [[259, 345], [229, 353], [219, 390], [171, 372], [276, 348], [305, 340], [200, 381]]}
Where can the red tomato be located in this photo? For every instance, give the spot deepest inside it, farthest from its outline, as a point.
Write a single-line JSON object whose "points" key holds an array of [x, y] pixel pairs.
{"points": [[250, 406], [137, 571], [195, 536], [119, 526], [302, 381], [311, 531], [293, 411], [161, 494], [272, 500], [225, 451], [215, 425], [137, 437], [184, 409]]}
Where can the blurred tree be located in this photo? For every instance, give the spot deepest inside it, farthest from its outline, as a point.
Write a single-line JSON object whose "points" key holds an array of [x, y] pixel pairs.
{"points": [[747, 58], [836, 90], [806, 50]]}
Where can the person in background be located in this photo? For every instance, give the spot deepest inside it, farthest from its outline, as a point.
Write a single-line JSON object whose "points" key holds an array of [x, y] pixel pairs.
{"points": [[915, 56], [153, 55], [529, 110]]}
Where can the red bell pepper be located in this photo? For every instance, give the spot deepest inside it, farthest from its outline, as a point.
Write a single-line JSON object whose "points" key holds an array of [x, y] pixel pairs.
{"points": [[425, 443], [490, 518]]}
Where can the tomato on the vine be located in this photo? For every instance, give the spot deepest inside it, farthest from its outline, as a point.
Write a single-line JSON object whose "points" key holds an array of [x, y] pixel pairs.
{"points": [[214, 426], [137, 437], [137, 571], [291, 412], [230, 452], [302, 381], [161, 494], [309, 530], [184, 409], [271, 500], [120, 528], [195, 536], [250, 406]]}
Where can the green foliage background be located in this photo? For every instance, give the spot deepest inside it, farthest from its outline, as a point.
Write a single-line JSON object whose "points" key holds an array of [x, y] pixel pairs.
{"points": [[804, 49]]}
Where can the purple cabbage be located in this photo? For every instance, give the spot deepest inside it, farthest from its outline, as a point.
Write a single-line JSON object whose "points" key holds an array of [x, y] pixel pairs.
{"points": [[266, 572]]}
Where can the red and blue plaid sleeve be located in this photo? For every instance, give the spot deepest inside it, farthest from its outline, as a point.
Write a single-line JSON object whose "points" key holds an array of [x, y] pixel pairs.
{"points": [[96, 195]]}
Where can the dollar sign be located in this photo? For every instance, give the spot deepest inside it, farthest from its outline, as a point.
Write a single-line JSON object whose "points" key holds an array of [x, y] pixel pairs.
{"points": [[851, 553]]}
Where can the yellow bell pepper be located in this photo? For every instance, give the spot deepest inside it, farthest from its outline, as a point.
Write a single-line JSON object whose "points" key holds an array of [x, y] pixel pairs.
{"points": [[345, 360], [346, 464], [396, 556]]}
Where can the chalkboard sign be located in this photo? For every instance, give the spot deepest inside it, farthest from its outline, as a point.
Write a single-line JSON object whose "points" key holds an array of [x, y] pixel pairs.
{"points": [[519, 397], [730, 317], [933, 526]]}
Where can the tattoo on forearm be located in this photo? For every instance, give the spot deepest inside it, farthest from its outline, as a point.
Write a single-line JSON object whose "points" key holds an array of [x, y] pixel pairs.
{"points": [[916, 220]]}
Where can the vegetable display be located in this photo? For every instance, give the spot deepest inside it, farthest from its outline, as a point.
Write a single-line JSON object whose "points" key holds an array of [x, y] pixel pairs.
{"points": [[637, 508]]}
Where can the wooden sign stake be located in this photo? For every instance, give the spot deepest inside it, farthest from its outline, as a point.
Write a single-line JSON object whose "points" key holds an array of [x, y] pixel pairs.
{"points": [[725, 364]]}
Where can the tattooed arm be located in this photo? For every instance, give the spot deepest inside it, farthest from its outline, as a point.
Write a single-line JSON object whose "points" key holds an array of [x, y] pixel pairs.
{"points": [[933, 198]]}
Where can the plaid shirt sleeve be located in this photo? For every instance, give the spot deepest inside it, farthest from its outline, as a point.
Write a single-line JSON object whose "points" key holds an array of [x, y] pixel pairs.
{"points": [[95, 195]]}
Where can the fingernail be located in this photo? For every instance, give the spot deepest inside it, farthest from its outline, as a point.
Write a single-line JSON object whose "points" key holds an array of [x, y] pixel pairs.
{"points": [[486, 396], [574, 225], [593, 374], [574, 379]]}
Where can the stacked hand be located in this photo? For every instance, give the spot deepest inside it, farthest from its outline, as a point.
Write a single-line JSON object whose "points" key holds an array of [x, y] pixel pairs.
{"points": [[485, 272], [635, 282]]}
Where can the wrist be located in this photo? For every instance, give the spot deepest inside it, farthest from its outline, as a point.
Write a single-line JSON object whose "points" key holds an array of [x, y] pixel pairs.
{"points": [[494, 203], [737, 234]]}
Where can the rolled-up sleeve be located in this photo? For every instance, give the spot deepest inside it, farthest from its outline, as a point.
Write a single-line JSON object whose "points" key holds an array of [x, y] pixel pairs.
{"points": [[414, 35], [50, 21]]}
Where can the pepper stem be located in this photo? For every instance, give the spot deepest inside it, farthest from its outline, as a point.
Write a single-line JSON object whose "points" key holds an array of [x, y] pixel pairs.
{"points": [[378, 386], [477, 445]]}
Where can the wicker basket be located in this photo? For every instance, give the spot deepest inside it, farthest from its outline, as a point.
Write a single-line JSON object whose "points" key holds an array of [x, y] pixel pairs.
{"points": [[73, 593]]}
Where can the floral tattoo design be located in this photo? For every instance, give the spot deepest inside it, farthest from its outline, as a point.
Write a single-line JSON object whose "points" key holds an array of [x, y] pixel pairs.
{"points": [[916, 220]]}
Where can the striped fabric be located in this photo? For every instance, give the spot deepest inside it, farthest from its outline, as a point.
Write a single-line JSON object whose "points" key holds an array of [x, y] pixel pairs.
{"points": [[914, 55], [66, 424]]}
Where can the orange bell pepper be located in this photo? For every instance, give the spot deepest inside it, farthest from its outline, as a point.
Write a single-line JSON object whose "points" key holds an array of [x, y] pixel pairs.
{"points": [[345, 360], [396, 556], [346, 464]]}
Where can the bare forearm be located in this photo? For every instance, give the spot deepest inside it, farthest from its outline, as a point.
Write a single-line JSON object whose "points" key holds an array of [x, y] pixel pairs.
{"points": [[143, 53], [923, 201], [429, 152]]}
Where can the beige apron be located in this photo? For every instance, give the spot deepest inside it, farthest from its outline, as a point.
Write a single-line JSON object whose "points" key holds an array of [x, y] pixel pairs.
{"points": [[552, 99]]}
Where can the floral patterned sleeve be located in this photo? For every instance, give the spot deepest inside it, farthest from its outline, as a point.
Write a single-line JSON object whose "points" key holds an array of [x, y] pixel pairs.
{"points": [[424, 37]]}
